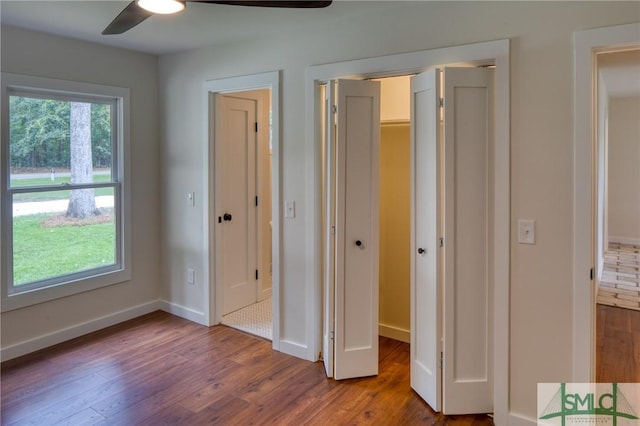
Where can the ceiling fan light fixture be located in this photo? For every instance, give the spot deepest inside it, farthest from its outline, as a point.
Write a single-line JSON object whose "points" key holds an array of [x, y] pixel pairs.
{"points": [[163, 7]]}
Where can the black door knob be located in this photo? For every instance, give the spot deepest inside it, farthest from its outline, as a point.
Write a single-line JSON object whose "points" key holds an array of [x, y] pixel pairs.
{"points": [[227, 217], [358, 243], [421, 250]]}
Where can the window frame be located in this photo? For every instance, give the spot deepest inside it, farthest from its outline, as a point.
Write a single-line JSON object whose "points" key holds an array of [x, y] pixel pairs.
{"points": [[15, 297]]}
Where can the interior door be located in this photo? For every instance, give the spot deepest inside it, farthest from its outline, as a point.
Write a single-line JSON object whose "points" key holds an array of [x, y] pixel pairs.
{"points": [[452, 250], [357, 142], [236, 139], [467, 383], [426, 307], [329, 194]]}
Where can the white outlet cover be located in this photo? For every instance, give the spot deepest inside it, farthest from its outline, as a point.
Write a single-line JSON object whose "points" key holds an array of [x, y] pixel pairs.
{"points": [[526, 231]]}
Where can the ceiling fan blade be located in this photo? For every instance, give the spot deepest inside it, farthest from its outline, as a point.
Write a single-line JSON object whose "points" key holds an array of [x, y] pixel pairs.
{"points": [[130, 16], [294, 4]]}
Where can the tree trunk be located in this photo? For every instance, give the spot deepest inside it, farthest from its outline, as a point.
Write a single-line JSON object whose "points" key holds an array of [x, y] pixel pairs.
{"points": [[82, 202]]}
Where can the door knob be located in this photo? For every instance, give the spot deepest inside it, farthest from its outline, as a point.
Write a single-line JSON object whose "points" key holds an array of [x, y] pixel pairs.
{"points": [[358, 243], [421, 251], [227, 217]]}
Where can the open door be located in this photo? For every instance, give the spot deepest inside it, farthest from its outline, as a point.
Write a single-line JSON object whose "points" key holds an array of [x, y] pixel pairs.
{"points": [[356, 116], [235, 147], [426, 307], [467, 382], [330, 227], [452, 247]]}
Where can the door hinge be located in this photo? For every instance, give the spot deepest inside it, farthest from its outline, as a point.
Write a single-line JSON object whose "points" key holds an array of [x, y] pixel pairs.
{"points": [[256, 126], [256, 201], [333, 230], [334, 109], [441, 102], [441, 359], [256, 274], [332, 335], [591, 273], [441, 242]]}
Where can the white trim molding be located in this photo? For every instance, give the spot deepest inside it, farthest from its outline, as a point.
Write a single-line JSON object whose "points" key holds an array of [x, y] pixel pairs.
{"points": [[491, 52], [183, 312], [625, 240], [50, 339], [393, 332], [267, 80]]}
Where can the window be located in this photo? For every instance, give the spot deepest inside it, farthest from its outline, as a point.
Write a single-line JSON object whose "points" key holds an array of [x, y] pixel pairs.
{"points": [[65, 190]]}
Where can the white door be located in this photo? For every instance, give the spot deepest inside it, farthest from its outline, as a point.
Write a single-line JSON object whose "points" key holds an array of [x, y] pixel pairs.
{"points": [[235, 153], [451, 312], [426, 308], [357, 142], [467, 383], [330, 226]]}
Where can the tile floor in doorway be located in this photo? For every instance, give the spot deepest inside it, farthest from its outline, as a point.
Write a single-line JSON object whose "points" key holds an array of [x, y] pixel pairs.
{"points": [[254, 319]]}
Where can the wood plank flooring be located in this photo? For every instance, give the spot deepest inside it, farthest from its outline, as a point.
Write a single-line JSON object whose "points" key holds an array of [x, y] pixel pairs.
{"points": [[160, 369], [617, 345]]}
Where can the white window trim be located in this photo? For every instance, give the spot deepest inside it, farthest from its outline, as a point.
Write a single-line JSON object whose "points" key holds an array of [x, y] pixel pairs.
{"points": [[78, 282]]}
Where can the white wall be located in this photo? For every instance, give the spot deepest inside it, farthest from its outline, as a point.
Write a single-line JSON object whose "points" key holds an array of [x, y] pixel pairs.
{"points": [[541, 111], [624, 170], [37, 54]]}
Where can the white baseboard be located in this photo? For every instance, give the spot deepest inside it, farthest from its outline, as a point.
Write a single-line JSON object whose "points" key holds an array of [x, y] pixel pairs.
{"points": [[78, 330], [625, 240], [395, 333], [183, 312], [293, 349], [521, 420]]}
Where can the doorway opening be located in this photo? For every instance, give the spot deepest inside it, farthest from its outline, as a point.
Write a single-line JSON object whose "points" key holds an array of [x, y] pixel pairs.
{"points": [[243, 225], [587, 44], [446, 194], [243, 198], [617, 251], [394, 320], [495, 52]]}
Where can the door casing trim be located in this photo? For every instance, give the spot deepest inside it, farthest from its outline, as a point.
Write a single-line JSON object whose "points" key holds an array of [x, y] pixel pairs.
{"points": [[491, 52], [268, 80], [585, 44]]}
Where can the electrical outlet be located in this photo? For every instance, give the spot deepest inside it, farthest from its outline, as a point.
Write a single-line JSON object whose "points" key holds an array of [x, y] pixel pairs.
{"points": [[191, 276]]}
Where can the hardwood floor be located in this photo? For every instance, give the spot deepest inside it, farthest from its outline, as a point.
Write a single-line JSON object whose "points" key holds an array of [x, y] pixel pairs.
{"points": [[161, 369], [617, 345]]}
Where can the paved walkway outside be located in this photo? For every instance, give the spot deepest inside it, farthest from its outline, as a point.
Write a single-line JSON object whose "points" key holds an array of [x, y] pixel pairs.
{"points": [[53, 206]]}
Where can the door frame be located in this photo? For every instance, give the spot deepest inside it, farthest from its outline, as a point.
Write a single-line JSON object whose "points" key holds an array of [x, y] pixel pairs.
{"points": [[586, 44], [491, 52], [267, 80]]}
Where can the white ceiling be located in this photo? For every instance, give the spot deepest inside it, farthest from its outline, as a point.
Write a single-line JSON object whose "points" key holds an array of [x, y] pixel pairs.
{"points": [[199, 25], [621, 73]]}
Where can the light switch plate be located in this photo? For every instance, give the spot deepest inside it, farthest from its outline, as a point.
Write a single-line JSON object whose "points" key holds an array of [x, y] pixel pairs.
{"points": [[526, 231], [290, 209]]}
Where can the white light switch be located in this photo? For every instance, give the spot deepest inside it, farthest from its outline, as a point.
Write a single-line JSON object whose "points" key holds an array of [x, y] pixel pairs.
{"points": [[290, 209], [191, 196], [191, 276], [526, 231]]}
